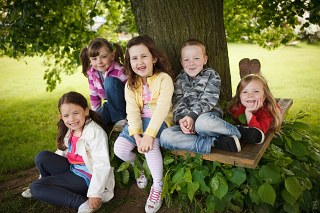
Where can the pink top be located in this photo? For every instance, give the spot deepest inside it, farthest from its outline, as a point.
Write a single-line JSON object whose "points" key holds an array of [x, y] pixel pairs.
{"points": [[97, 93]]}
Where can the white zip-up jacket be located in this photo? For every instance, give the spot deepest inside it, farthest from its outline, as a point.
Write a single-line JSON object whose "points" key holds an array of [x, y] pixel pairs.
{"points": [[93, 147]]}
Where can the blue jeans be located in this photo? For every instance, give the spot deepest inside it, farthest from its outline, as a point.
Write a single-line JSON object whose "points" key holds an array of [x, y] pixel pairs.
{"points": [[209, 126], [114, 109], [58, 185], [145, 123]]}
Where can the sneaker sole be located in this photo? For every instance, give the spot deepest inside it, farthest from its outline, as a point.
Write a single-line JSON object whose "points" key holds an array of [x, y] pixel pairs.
{"points": [[153, 210]]}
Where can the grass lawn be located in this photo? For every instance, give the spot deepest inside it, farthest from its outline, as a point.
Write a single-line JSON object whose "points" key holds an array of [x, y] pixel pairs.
{"points": [[29, 114]]}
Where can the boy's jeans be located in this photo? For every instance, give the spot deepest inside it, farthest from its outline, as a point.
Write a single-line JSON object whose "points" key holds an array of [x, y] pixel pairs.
{"points": [[208, 127]]}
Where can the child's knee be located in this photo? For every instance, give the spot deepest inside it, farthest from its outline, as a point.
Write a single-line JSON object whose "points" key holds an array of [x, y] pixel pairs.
{"points": [[42, 156]]}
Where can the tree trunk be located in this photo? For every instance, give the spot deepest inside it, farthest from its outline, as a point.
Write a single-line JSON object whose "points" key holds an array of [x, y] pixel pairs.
{"points": [[171, 22]]}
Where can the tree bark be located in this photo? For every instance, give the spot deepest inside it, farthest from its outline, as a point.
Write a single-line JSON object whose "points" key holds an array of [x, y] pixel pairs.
{"points": [[171, 22]]}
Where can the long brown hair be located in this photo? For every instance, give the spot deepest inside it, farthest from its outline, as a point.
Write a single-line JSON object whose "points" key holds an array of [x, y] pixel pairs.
{"points": [[80, 100], [161, 65], [93, 50], [270, 101]]}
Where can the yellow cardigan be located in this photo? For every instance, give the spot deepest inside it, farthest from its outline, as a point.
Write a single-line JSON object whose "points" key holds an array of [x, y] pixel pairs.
{"points": [[161, 88]]}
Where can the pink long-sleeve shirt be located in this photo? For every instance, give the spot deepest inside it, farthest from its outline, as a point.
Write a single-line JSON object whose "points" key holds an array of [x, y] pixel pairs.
{"points": [[97, 93]]}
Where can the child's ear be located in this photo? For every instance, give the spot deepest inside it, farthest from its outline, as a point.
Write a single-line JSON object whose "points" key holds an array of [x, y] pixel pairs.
{"points": [[205, 60], [154, 60], [86, 111]]}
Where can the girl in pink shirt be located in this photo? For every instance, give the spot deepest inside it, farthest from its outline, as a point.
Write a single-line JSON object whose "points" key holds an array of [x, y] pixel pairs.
{"points": [[102, 65]]}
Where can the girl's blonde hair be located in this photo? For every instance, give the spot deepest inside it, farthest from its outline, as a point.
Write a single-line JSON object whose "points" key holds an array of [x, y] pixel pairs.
{"points": [[270, 101], [162, 64], [93, 50]]}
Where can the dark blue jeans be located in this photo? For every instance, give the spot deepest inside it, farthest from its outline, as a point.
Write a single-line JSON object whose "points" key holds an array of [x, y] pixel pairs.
{"points": [[58, 185], [114, 109]]}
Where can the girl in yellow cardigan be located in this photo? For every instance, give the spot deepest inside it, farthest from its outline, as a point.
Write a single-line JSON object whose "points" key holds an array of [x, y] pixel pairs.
{"points": [[148, 94]]}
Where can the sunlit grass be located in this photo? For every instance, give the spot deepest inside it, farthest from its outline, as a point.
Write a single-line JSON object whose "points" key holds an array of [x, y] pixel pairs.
{"points": [[28, 113]]}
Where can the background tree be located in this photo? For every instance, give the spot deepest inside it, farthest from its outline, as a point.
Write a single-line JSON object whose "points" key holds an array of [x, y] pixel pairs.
{"points": [[170, 23], [58, 30]]}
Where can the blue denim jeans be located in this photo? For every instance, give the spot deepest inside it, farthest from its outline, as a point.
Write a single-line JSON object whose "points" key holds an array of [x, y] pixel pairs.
{"points": [[208, 127], [145, 123], [114, 109], [58, 185]]}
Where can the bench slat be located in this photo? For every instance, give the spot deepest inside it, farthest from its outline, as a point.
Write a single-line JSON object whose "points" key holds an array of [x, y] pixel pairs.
{"points": [[250, 154]]}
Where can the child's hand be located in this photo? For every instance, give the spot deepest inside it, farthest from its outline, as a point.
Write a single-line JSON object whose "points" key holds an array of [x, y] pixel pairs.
{"points": [[94, 202], [187, 125], [137, 138], [146, 144], [183, 126], [257, 105]]}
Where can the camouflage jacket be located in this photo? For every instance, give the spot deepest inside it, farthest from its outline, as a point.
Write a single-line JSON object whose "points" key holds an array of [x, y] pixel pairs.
{"points": [[193, 97]]}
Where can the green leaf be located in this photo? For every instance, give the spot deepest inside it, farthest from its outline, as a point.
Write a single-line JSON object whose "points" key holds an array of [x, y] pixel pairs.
{"points": [[238, 176], [253, 194], [295, 136], [219, 186], [178, 176], [293, 186], [168, 160], [288, 197], [271, 174], [299, 149], [291, 208], [242, 118], [192, 188], [288, 141], [137, 172], [199, 176], [315, 156], [300, 125], [125, 176], [267, 194], [187, 176], [166, 181], [210, 203], [124, 166], [214, 184]]}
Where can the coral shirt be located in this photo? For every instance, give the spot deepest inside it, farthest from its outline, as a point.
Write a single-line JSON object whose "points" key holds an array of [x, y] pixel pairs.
{"points": [[261, 119]]}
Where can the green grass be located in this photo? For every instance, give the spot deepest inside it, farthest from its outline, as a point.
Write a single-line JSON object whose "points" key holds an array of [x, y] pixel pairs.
{"points": [[29, 114]]}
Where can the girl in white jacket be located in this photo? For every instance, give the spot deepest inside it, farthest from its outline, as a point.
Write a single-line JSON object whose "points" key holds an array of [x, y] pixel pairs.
{"points": [[79, 174]]}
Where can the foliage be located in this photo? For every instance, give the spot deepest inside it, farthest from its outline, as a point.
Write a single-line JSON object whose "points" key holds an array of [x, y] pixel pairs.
{"points": [[285, 181], [58, 30], [268, 23]]}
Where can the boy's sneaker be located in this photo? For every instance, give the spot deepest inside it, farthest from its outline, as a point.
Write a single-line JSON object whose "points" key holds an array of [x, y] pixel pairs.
{"points": [[154, 201], [244, 67], [118, 127], [142, 181], [255, 67], [251, 135], [228, 143], [26, 193], [84, 208]]}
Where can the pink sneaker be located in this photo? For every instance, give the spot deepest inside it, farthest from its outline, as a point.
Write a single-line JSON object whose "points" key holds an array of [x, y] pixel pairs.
{"points": [[154, 201]]}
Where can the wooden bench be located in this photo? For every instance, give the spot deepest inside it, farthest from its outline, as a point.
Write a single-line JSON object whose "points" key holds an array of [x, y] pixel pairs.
{"points": [[250, 154]]}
